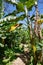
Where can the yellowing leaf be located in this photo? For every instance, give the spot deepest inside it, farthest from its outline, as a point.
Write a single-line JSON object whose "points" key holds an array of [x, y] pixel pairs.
{"points": [[13, 28], [34, 48]]}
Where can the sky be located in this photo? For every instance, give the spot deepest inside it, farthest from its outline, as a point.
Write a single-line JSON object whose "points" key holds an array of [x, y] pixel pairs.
{"points": [[40, 6], [10, 8]]}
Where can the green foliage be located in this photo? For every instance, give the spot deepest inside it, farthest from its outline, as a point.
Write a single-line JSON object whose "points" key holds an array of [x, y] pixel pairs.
{"points": [[16, 42]]}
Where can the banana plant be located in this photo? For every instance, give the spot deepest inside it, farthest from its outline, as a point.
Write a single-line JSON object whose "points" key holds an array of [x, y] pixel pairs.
{"points": [[9, 24]]}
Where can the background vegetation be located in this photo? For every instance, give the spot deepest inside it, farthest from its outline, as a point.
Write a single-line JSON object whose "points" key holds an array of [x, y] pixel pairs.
{"points": [[17, 39]]}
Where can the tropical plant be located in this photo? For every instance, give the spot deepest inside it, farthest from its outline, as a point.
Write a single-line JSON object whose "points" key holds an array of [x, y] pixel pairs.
{"points": [[15, 39]]}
